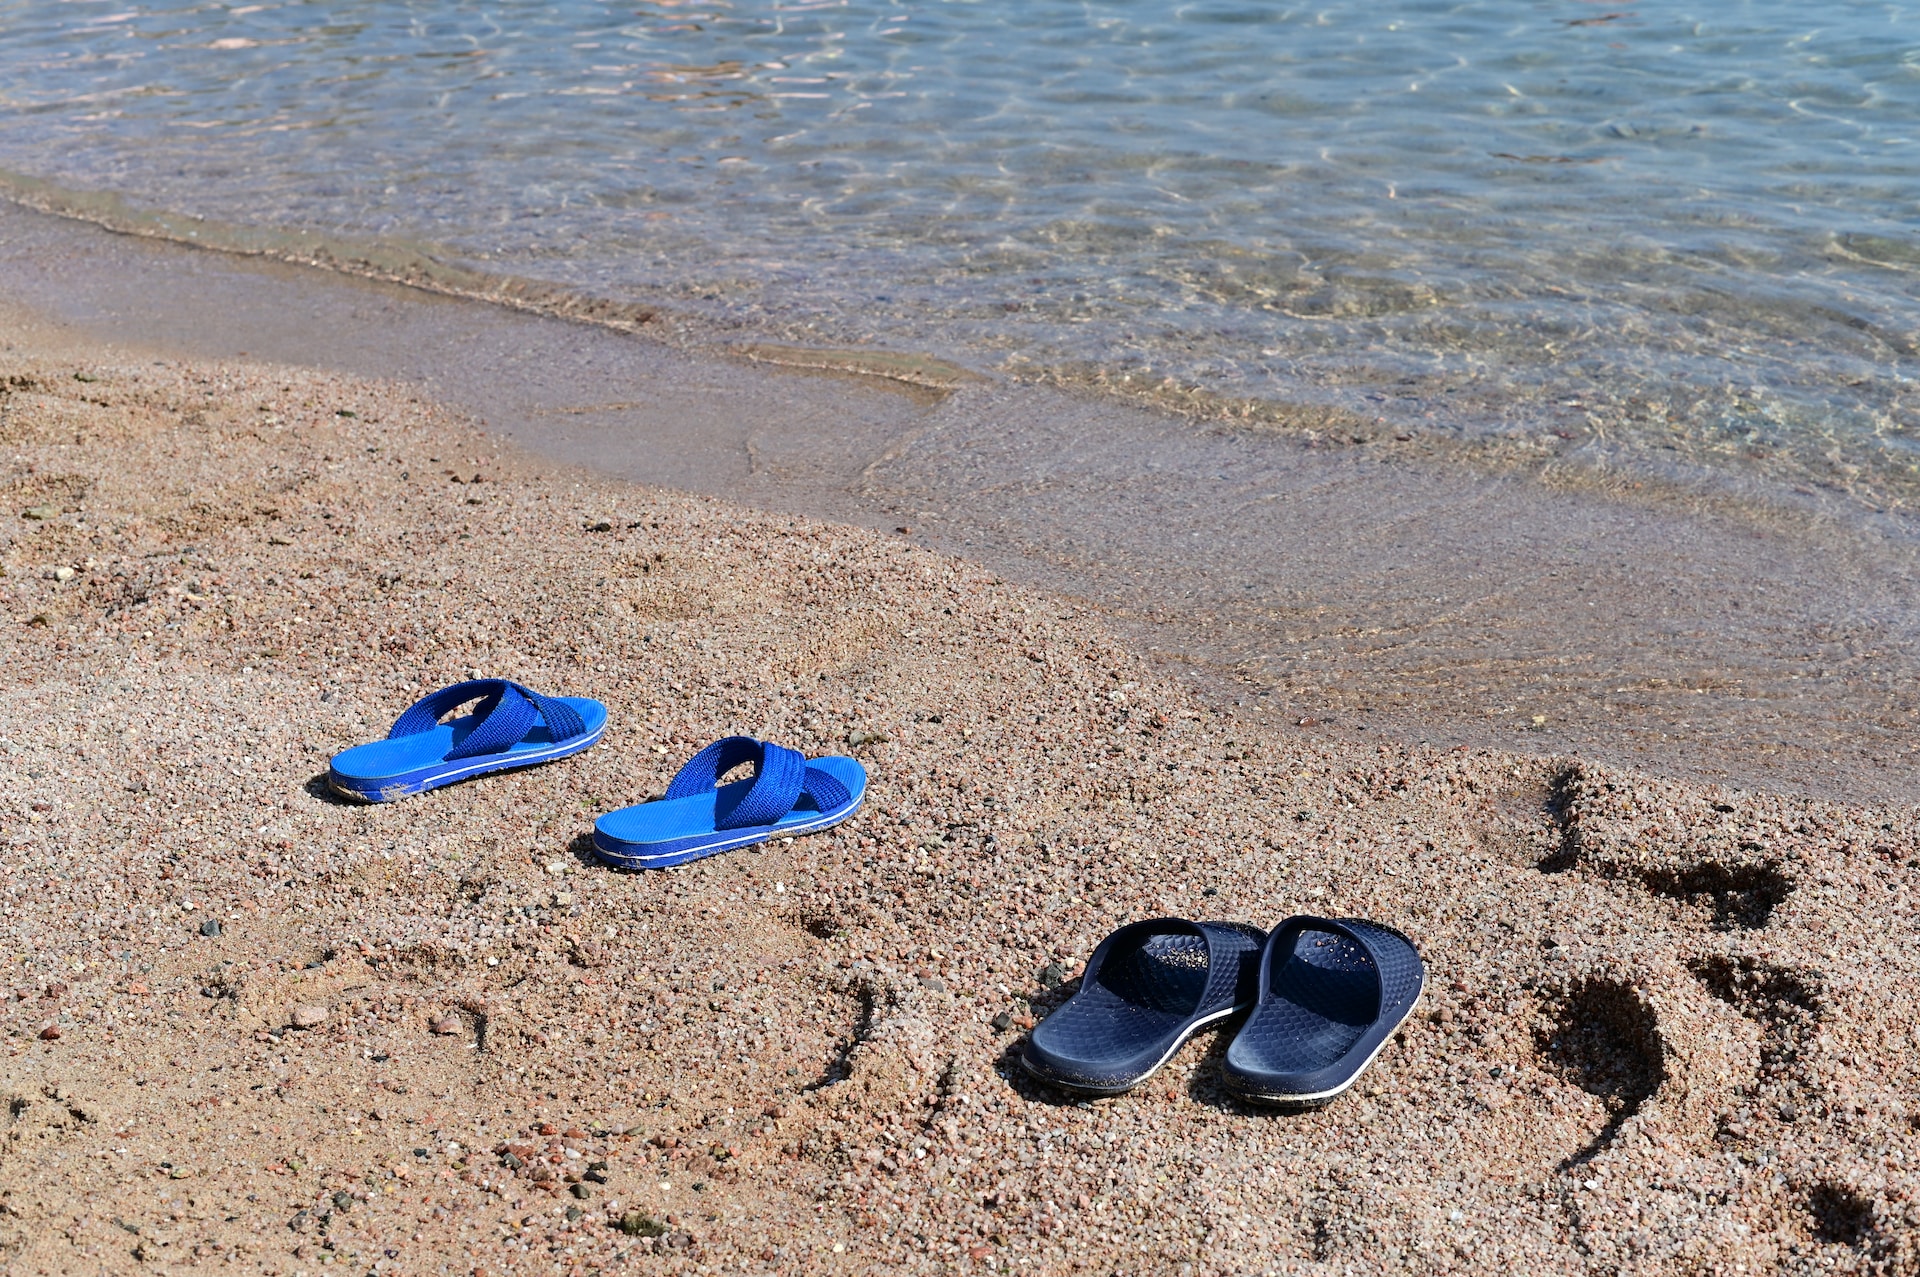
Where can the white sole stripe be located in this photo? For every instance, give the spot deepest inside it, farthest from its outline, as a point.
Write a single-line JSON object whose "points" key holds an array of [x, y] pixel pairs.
{"points": [[762, 834], [1263, 1097]]}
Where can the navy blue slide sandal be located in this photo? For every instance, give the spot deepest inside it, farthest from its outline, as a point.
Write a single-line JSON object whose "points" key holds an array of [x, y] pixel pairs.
{"points": [[513, 726], [1331, 994], [788, 794], [1148, 988]]}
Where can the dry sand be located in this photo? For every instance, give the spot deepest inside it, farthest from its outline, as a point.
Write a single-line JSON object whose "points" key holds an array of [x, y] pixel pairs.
{"points": [[1668, 1028]]}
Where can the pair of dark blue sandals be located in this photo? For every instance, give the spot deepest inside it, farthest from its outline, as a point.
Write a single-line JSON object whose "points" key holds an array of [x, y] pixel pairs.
{"points": [[1326, 994], [514, 726]]}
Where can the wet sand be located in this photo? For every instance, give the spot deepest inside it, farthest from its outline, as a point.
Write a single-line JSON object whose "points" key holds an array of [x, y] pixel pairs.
{"points": [[1668, 1026], [1409, 590]]}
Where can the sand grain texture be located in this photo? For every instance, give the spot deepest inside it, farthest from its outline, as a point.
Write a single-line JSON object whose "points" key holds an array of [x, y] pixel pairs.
{"points": [[1667, 1029]]}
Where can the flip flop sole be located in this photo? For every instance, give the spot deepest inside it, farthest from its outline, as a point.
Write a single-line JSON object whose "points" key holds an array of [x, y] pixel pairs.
{"points": [[1319, 1099], [679, 851], [1082, 1088], [387, 788]]}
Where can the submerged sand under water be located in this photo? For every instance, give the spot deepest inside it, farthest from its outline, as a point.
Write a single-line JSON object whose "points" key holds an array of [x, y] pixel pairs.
{"points": [[1361, 586]]}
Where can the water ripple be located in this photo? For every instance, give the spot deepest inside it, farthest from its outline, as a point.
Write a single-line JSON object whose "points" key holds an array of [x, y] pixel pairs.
{"points": [[1693, 226]]}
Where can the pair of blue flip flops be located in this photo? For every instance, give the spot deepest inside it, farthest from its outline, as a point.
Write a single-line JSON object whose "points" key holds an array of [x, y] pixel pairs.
{"points": [[514, 726], [1325, 995]]}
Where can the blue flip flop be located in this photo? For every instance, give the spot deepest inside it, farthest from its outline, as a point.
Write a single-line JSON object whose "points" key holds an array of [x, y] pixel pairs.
{"points": [[1331, 994], [513, 726], [788, 794], [1148, 988]]}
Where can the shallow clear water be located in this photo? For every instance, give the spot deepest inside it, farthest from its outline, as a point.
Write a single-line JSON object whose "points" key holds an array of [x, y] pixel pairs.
{"points": [[1679, 232]]}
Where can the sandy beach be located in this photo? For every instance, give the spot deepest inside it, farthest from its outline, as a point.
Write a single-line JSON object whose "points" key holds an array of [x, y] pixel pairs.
{"points": [[1669, 1027]]}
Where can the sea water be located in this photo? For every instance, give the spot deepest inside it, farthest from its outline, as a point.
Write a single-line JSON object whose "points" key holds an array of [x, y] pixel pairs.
{"points": [[1682, 234]]}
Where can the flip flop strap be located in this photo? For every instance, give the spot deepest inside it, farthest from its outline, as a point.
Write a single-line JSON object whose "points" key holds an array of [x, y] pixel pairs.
{"points": [[826, 790], [1146, 926], [1367, 936], [780, 776], [1225, 944], [506, 713], [1395, 961], [704, 770], [1228, 979]]}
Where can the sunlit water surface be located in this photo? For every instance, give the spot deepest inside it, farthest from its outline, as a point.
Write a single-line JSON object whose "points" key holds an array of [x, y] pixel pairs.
{"points": [[1685, 232]]}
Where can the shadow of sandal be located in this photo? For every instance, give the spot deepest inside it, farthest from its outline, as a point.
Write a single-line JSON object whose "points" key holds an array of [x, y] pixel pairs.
{"points": [[317, 787]]}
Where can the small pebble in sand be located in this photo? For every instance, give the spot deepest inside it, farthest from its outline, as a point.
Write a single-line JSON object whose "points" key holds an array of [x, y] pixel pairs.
{"points": [[211, 927], [50, 1034], [307, 1015], [443, 1025]]}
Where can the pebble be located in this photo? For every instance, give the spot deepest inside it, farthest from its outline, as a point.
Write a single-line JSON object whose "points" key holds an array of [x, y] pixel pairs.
{"points": [[443, 1025], [211, 927], [307, 1015]]}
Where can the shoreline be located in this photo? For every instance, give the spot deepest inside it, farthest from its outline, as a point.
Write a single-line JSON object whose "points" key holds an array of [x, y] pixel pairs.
{"points": [[1655, 1036], [1351, 591], [1570, 454], [1570, 445]]}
